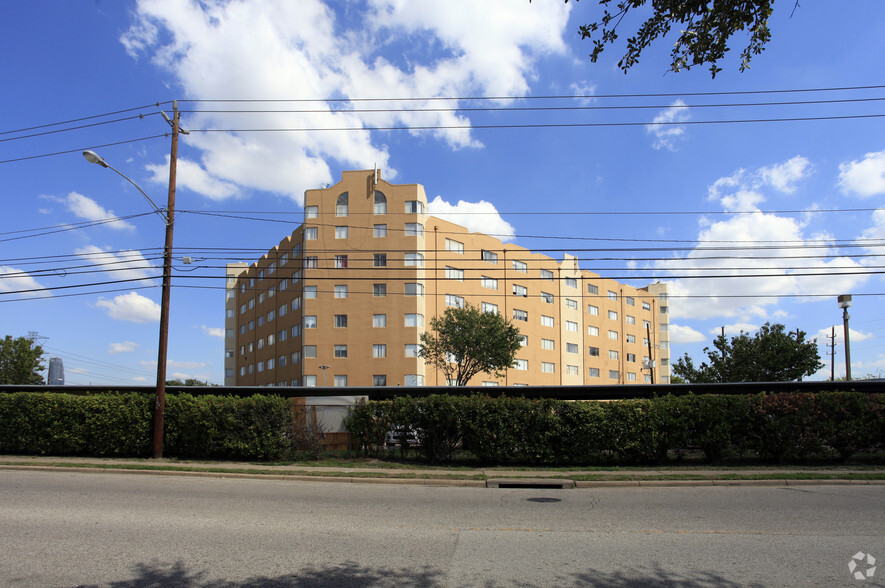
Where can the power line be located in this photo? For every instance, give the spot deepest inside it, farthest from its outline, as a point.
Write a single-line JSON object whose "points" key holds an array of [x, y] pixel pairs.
{"points": [[82, 118], [81, 149]]}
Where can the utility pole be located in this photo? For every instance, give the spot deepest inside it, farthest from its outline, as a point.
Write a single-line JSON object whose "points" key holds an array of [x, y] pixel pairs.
{"points": [[832, 346], [651, 359]]}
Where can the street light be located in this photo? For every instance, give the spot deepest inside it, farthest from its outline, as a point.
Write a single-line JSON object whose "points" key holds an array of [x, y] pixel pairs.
{"points": [[324, 367], [169, 219], [844, 303]]}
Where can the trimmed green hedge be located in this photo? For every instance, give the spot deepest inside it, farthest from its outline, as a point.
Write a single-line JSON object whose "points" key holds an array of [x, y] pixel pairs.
{"points": [[206, 427], [779, 427]]}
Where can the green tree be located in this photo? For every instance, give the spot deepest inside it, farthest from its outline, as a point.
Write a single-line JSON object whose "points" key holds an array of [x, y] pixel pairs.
{"points": [[771, 355], [188, 382], [20, 361], [466, 341], [705, 28]]}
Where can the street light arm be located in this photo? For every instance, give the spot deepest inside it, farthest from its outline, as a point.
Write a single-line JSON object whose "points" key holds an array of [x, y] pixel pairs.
{"points": [[93, 157]]}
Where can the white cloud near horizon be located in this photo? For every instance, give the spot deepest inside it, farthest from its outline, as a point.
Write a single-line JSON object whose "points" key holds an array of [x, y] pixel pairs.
{"points": [[682, 334], [124, 347], [121, 265], [13, 279], [85, 207], [479, 216], [864, 178], [305, 50], [666, 133], [132, 307], [213, 331]]}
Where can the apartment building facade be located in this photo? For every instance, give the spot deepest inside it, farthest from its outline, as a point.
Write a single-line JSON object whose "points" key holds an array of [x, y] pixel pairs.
{"points": [[342, 301]]}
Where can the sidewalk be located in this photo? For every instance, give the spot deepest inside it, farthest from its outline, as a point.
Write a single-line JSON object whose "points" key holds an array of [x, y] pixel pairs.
{"points": [[469, 477]]}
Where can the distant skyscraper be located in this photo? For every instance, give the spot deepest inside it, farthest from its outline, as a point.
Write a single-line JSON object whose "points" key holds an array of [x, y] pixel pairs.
{"points": [[56, 372]]}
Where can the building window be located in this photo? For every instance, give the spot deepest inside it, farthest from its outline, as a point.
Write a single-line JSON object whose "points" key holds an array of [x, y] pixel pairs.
{"points": [[296, 250], [548, 344], [520, 290], [340, 321], [612, 295], [547, 297], [296, 355], [341, 232], [664, 327], [664, 309], [489, 308], [414, 289], [296, 302], [380, 231], [488, 282], [631, 357], [454, 301], [571, 347], [489, 256], [340, 381], [340, 351], [547, 275], [310, 381], [646, 325], [646, 306], [612, 315], [379, 290], [414, 207], [341, 205], [571, 282], [310, 351], [456, 246], [613, 335], [251, 303], [281, 361], [413, 260], [283, 335], [571, 326], [572, 304], [296, 330], [547, 321], [379, 350], [379, 380], [380, 203], [592, 310], [311, 211], [520, 364], [341, 291], [631, 320], [251, 325], [260, 366], [520, 315], [311, 262], [310, 321], [572, 370], [261, 298], [593, 351], [270, 339], [379, 321], [414, 230], [340, 261], [411, 350], [270, 364], [310, 292], [414, 320], [454, 273], [310, 233], [520, 266], [523, 341], [613, 374], [593, 372], [414, 380], [548, 367], [379, 260], [612, 354], [628, 300]]}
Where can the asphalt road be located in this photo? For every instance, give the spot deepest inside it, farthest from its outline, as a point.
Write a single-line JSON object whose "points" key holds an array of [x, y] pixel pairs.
{"points": [[72, 529]]}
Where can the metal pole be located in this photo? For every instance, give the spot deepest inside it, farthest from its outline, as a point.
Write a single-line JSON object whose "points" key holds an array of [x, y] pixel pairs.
{"points": [[845, 318], [160, 406]]}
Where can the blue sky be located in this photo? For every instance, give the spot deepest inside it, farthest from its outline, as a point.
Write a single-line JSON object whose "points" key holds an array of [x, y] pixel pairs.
{"points": [[651, 192]]}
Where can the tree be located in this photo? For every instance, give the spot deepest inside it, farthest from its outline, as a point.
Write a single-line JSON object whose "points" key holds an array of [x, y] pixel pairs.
{"points": [[20, 361], [466, 341], [771, 355], [705, 26], [188, 382]]}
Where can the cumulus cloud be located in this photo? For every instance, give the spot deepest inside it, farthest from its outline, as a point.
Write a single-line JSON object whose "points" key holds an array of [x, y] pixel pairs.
{"points": [[131, 307], [479, 216], [121, 265], [823, 335], [684, 334], [16, 280], [864, 178], [85, 207], [665, 128], [124, 347], [192, 175], [213, 331], [761, 262], [306, 50]]}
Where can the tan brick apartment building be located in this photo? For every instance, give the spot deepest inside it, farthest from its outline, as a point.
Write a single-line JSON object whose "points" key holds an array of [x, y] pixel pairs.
{"points": [[344, 298]]}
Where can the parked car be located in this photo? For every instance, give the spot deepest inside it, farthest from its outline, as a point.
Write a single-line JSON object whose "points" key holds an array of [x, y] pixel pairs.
{"points": [[401, 435]]}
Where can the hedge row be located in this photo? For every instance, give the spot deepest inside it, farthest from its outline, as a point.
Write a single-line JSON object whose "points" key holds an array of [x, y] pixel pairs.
{"points": [[780, 427], [206, 427]]}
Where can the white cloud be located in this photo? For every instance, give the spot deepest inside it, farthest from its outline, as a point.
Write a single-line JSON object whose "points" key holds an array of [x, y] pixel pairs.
{"points": [[479, 216], [213, 331], [864, 178], [664, 128], [684, 334], [182, 365], [122, 265], [305, 51], [85, 207], [13, 279], [124, 347], [139, 379], [783, 176], [193, 176], [71, 370], [131, 307], [823, 335]]}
